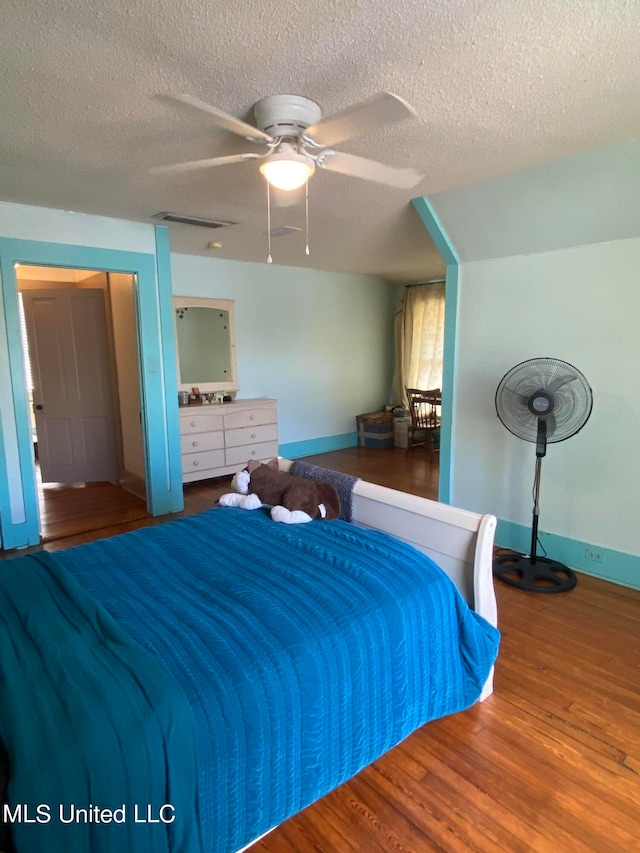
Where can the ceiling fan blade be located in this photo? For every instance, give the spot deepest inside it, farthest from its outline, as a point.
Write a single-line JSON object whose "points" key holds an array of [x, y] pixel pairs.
{"points": [[368, 170], [381, 109], [222, 119], [192, 165]]}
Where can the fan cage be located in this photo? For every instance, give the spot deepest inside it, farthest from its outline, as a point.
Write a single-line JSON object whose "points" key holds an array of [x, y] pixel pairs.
{"points": [[573, 399]]}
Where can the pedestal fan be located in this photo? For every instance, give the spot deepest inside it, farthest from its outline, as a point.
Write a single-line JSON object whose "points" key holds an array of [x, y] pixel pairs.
{"points": [[542, 400]]}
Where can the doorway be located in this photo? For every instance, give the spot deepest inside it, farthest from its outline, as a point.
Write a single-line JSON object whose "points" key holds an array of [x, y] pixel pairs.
{"points": [[79, 342], [154, 333]]}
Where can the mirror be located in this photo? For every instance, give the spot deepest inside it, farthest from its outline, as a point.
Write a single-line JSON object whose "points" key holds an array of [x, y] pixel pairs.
{"points": [[205, 344]]}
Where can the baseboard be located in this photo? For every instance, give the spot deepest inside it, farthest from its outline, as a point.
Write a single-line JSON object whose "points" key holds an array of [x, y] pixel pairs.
{"points": [[134, 484], [615, 566], [311, 446]]}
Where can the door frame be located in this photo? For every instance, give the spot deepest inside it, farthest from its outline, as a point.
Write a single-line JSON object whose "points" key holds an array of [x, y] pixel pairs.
{"points": [[19, 512], [449, 255]]}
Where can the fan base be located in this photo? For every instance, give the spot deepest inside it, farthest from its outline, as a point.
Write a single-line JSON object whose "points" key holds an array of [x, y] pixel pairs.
{"points": [[542, 576], [285, 115]]}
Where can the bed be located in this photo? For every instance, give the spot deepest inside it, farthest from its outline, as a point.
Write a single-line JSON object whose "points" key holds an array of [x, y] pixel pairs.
{"points": [[186, 687]]}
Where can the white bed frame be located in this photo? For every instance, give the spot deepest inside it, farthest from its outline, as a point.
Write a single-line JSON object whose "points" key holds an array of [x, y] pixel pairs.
{"points": [[460, 542]]}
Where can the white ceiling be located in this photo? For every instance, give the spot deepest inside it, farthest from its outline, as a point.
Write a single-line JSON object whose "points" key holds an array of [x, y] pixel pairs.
{"points": [[499, 86]]}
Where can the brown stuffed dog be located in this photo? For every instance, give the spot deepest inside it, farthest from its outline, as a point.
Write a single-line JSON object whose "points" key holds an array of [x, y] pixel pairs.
{"points": [[294, 500]]}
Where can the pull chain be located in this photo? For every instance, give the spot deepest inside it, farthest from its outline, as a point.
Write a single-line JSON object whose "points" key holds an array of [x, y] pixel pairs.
{"points": [[269, 258], [306, 214], [306, 217]]}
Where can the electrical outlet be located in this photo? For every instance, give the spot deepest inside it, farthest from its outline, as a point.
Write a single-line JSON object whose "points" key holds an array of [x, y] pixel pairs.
{"points": [[593, 555]]}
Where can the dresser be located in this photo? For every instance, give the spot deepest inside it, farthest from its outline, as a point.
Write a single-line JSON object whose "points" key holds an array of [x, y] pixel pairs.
{"points": [[219, 439]]}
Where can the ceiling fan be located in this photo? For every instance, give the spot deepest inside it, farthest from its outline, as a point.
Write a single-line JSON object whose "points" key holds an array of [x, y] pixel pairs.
{"points": [[296, 139]]}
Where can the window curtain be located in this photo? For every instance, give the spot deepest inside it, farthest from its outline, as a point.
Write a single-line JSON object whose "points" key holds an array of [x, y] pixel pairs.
{"points": [[419, 339]]}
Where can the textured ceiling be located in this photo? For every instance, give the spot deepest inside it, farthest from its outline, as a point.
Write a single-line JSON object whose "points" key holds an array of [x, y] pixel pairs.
{"points": [[498, 86]]}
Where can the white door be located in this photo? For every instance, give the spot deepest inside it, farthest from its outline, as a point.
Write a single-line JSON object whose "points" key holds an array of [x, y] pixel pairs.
{"points": [[72, 394]]}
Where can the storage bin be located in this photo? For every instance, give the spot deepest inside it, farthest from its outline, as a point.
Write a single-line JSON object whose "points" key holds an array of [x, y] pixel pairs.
{"points": [[401, 431], [375, 429]]}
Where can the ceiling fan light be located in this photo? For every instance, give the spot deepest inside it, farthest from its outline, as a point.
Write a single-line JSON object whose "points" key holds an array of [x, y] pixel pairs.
{"points": [[287, 169]]}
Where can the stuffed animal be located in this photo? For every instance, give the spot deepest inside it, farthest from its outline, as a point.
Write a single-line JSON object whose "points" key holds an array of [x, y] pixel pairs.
{"points": [[294, 500]]}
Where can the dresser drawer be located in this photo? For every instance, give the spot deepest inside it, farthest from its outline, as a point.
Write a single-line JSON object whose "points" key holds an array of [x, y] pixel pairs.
{"points": [[217, 440], [249, 417], [199, 441], [250, 435], [240, 455], [195, 462], [201, 422]]}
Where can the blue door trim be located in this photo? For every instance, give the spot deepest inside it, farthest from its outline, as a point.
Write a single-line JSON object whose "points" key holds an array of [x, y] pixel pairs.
{"points": [[440, 238], [19, 520], [167, 397]]}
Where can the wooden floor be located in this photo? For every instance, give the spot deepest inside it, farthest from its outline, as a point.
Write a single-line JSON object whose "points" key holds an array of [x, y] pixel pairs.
{"points": [[549, 763], [72, 515], [67, 509], [414, 473]]}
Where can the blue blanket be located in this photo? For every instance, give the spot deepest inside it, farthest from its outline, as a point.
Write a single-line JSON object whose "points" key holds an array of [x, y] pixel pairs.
{"points": [[305, 652], [89, 720]]}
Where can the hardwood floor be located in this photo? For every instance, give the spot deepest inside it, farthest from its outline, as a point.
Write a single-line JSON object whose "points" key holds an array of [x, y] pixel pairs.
{"points": [[68, 509], [415, 473], [73, 516], [550, 763]]}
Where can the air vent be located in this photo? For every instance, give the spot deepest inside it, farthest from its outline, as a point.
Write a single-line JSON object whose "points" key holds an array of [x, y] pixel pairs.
{"points": [[283, 230], [191, 220]]}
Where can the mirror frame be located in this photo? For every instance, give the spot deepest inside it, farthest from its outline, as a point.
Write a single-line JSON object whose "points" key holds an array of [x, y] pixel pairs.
{"points": [[231, 384]]}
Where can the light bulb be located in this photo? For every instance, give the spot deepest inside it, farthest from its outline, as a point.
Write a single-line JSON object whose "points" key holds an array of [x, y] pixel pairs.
{"points": [[287, 169]]}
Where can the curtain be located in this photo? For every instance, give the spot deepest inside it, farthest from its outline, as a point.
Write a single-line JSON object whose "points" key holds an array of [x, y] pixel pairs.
{"points": [[419, 339]]}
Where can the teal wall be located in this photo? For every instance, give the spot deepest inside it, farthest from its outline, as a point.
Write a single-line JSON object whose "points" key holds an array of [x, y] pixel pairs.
{"points": [[549, 265], [593, 197], [321, 343]]}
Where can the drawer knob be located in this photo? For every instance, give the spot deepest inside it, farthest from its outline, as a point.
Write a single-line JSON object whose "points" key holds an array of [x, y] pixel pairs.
{"points": [[254, 452], [194, 444], [253, 435], [195, 463], [194, 423], [252, 417]]}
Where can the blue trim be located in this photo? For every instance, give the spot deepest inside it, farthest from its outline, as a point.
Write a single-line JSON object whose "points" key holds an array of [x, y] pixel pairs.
{"points": [[441, 239], [3, 472], [616, 566], [311, 446], [153, 307], [171, 499], [436, 230], [448, 384], [19, 512]]}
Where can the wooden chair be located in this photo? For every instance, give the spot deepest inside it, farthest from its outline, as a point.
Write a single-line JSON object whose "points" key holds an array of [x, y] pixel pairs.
{"points": [[424, 429]]}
